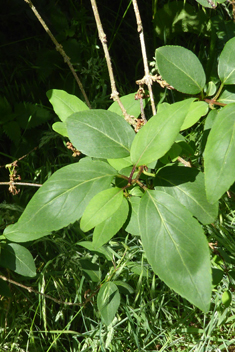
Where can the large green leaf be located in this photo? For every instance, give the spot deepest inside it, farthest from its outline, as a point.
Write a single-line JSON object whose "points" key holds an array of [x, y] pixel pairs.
{"points": [[226, 67], [131, 105], [180, 68], [61, 200], [108, 301], [196, 111], [108, 228], [101, 207], [100, 134], [159, 133], [65, 104], [187, 185], [17, 258], [220, 154], [176, 247]]}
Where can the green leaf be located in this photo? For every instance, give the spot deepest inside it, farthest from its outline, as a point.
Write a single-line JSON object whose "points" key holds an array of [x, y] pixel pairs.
{"points": [[133, 225], [61, 200], [176, 247], [172, 154], [226, 67], [205, 3], [188, 187], [159, 133], [101, 207], [100, 134], [124, 287], [60, 128], [196, 111], [91, 270], [181, 69], [65, 104], [219, 154], [108, 301], [131, 105], [102, 250], [217, 276], [18, 259], [108, 228], [227, 96], [121, 163], [226, 298]]}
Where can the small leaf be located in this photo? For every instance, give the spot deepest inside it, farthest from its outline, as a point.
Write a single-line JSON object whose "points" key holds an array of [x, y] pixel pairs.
{"points": [[181, 68], [196, 111], [108, 228], [102, 250], [100, 134], [133, 225], [219, 154], [227, 96], [210, 88], [65, 104], [160, 132], [176, 247], [101, 207], [108, 301], [18, 259], [120, 164], [226, 68], [60, 128], [226, 298], [61, 200], [124, 287], [132, 106], [187, 185], [217, 276], [91, 270]]}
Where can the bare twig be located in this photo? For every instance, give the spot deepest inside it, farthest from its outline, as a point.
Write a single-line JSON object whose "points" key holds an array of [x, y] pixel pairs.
{"points": [[102, 36], [147, 77], [30, 289], [10, 183], [184, 162], [59, 48]]}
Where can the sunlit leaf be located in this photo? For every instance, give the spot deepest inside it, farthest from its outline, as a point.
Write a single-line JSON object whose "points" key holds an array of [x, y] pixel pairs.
{"points": [[100, 134], [176, 247]]}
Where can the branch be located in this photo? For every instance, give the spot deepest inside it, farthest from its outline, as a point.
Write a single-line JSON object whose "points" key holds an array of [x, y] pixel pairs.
{"points": [[10, 183], [59, 48], [147, 78], [30, 289], [102, 36]]}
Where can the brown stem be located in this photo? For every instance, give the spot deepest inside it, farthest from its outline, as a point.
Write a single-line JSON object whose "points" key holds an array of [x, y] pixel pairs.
{"points": [[102, 36], [59, 48], [148, 78], [214, 102], [10, 183]]}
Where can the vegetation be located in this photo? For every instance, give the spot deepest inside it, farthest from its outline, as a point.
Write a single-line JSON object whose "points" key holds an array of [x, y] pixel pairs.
{"points": [[118, 224]]}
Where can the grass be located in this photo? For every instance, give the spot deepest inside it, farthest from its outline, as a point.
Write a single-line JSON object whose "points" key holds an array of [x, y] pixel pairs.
{"points": [[151, 317]]}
